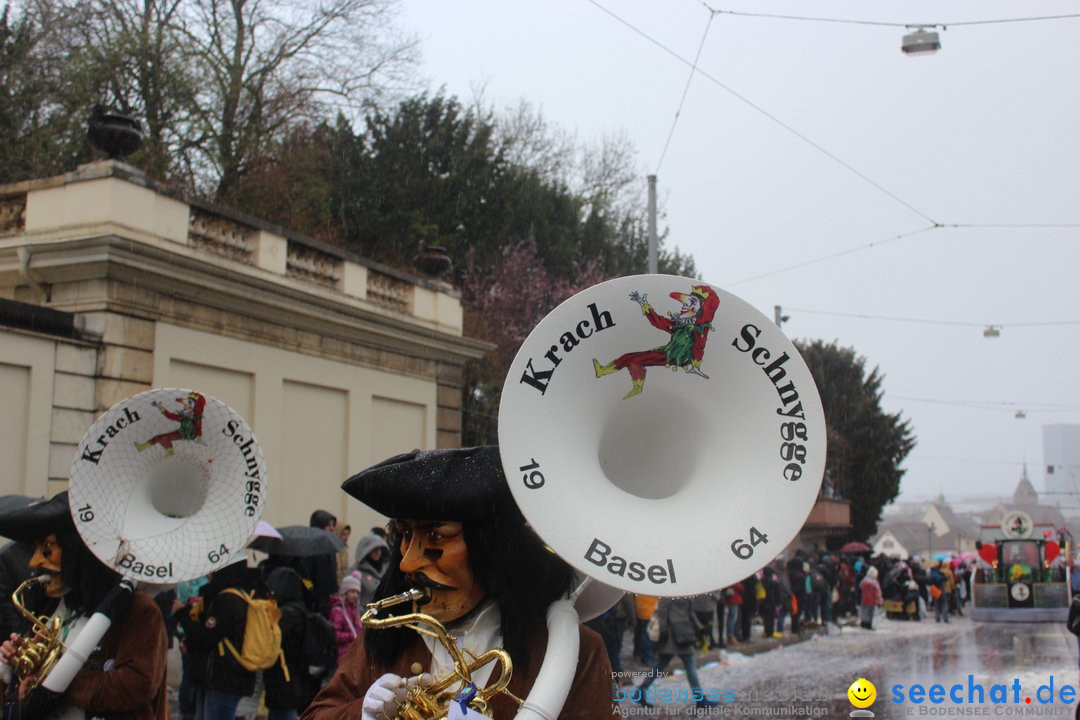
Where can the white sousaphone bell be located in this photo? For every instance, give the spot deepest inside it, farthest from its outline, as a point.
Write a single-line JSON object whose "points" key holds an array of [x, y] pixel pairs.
{"points": [[166, 486], [662, 435], [664, 438]]}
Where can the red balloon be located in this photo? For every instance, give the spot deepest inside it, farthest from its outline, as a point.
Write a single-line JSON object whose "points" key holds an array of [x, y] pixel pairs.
{"points": [[988, 552], [1052, 550]]}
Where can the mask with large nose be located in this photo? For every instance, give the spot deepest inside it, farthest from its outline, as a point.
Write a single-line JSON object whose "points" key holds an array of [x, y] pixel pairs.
{"points": [[434, 556], [47, 559]]}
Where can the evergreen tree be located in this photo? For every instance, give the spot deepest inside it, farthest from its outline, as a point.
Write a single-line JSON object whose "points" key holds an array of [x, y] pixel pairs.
{"points": [[866, 445]]}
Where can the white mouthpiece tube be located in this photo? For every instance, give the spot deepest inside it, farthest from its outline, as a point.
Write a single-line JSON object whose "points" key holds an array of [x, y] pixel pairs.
{"points": [[76, 653], [560, 663]]}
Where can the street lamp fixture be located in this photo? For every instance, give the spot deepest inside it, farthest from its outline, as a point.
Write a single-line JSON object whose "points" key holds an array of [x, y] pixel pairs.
{"points": [[992, 331], [921, 42]]}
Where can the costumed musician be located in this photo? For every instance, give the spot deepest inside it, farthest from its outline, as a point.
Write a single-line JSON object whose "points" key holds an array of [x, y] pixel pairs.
{"points": [[458, 534], [124, 678]]}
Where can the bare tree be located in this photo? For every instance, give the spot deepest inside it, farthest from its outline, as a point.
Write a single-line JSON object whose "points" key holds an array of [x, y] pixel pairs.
{"points": [[216, 81], [130, 55], [531, 141], [267, 64], [42, 124], [608, 176]]}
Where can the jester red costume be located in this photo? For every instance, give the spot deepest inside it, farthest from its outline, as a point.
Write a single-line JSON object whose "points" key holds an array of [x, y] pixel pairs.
{"points": [[190, 419], [689, 331]]}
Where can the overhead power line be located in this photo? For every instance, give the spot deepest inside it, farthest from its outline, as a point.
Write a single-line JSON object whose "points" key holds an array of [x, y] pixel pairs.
{"points": [[846, 21], [1006, 406], [901, 236], [1010, 226], [686, 89], [924, 321], [842, 163], [934, 225], [833, 256]]}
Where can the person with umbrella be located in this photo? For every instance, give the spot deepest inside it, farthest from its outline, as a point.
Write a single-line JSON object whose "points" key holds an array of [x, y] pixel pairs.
{"points": [[321, 569]]}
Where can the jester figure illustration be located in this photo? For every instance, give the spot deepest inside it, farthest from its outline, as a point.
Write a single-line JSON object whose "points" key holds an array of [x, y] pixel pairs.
{"points": [[689, 329], [190, 418]]}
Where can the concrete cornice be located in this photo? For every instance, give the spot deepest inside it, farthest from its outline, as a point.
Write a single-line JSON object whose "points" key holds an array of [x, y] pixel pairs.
{"points": [[104, 169], [161, 267]]}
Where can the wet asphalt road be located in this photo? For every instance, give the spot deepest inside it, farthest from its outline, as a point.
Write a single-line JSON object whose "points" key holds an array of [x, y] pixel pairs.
{"points": [[983, 670]]}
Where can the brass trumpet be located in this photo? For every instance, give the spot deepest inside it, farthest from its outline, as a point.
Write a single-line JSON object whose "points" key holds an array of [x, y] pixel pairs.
{"points": [[431, 702], [40, 647]]}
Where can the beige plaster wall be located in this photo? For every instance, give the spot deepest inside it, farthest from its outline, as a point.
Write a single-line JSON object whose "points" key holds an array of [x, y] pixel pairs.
{"points": [[318, 421], [27, 374]]}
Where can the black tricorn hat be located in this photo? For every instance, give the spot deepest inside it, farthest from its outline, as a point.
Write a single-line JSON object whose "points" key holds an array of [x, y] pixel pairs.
{"points": [[37, 519], [466, 484]]}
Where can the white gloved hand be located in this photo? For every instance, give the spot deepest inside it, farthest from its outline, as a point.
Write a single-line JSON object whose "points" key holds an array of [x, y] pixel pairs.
{"points": [[382, 699]]}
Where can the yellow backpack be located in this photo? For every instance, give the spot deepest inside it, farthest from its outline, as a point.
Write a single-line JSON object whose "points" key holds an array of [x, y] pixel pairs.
{"points": [[261, 647]]}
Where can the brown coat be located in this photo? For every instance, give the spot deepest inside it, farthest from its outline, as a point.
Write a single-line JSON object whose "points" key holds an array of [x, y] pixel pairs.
{"points": [[134, 686], [590, 695]]}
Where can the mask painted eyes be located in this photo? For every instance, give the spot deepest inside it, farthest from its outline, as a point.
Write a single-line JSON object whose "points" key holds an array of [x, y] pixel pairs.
{"points": [[432, 534]]}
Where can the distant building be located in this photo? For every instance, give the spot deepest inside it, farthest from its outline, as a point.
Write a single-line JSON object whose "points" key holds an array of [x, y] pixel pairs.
{"points": [[1061, 453], [938, 530], [1045, 520], [899, 540]]}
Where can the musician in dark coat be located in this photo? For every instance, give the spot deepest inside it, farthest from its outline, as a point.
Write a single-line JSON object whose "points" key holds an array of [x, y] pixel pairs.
{"points": [[124, 677], [14, 568], [459, 535]]}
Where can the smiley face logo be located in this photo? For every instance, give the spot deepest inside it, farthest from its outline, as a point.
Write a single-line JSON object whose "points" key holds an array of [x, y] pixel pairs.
{"points": [[862, 693]]}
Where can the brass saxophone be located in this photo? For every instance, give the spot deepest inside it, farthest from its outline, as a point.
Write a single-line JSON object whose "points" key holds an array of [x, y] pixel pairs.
{"points": [[40, 647], [431, 702]]}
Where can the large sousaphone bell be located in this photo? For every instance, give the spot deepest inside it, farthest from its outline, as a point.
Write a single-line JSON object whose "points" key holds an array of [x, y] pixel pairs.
{"points": [[166, 486], [662, 435], [664, 438]]}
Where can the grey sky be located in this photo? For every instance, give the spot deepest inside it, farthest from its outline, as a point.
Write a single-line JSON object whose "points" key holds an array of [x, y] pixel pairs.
{"points": [[982, 133]]}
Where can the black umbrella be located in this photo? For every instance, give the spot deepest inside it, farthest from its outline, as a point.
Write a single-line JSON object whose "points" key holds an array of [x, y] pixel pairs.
{"points": [[299, 541]]}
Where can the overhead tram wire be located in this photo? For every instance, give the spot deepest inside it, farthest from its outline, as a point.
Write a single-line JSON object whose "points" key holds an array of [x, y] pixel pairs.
{"points": [[842, 163], [878, 243], [845, 21], [923, 321], [686, 89], [1010, 226], [833, 256], [1006, 406], [934, 224]]}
